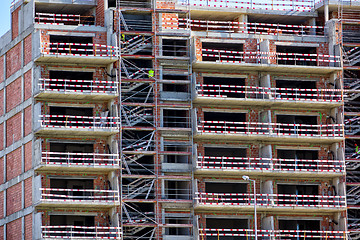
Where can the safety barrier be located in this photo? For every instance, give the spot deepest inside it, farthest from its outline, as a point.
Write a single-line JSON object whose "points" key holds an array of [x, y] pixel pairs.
{"points": [[79, 122], [270, 200], [86, 196], [64, 19], [242, 27], [80, 232], [78, 86], [273, 234], [79, 49], [279, 5], [269, 164], [302, 59], [288, 94], [271, 129], [80, 159]]}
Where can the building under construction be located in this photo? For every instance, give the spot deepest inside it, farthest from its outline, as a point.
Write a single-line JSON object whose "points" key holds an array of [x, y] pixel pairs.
{"points": [[180, 120]]}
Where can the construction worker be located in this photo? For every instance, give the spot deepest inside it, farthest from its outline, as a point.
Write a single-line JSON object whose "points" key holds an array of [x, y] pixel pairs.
{"points": [[151, 73], [123, 38]]}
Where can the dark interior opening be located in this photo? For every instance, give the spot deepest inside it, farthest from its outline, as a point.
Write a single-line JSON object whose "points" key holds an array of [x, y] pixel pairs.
{"points": [[176, 85], [298, 155], [60, 44], [137, 22], [175, 47], [297, 129], [232, 56], [221, 157], [181, 153], [298, 190], [296, 84], [226, 223], [179, 220], [176, 118], [62, 116], [177, 189], [76, 184], [225, 83], [225, 152], [111, 3], [72, 220], [71, 148], [221, 116], [58, 80], [299, 225], [292, 59], [219, 187], [139, 164]]}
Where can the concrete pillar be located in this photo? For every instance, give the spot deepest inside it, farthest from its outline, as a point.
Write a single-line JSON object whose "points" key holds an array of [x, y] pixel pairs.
{"points": [[242, 19], [265, 152], [265, 47], [267, 187], [267, 223], [326, 11], [265, 82], [312, 22]]}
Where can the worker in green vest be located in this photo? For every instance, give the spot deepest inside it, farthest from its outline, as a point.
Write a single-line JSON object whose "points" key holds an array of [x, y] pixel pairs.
{"points": [[151, 73]]}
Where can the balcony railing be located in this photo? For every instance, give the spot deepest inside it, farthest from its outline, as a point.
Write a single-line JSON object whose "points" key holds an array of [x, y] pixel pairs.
{"points": [[80, 232], [78, 86], [79, 50], [80, 159], [280, 5], [270, 129], [298, 59], [277, 94], [213, 233], [269, 164], [85, 196], [79, 122], [270, 200], [64, 19], [242, 27]]}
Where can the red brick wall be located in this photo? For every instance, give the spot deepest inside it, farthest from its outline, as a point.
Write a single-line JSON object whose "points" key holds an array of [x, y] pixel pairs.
{"points": [[13, 164], [13, 129], [27, 85], [100, 13], [2, 68], [13, 230], [1, 171], [27, 121], [1, 136], [15, 23], [28, 156], [28, 226], [28, 192], [13, 60], [13, 94], [1, 205], [1, 102], [13, 199], [27, 49]]}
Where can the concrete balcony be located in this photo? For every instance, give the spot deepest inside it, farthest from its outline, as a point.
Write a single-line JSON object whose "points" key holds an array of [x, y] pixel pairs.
{"points": [[76, 89], [80, 53], [266, 61], [65, 125], [214, 234], [224, 130], [264, 96], [78, 198], [239, 166], [80, 232], [269, 202], [78, 162]]}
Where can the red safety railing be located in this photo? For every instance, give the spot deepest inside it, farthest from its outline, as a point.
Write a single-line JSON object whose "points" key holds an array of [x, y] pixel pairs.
{"points": [[64, 19], [271, 129], [79, 122], [79, 49], [272, 234], [80, 232], [302, 59], [80, 159], [86, 196], [279, 5], [242, 27], [270, 200], [269, 164], [288, 94], [78, 86]]}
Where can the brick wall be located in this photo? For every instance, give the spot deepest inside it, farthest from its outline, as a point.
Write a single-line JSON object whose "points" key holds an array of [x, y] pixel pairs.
{"points": [[27, 49], [27, 121], [2, 68], [15, 23], [28, 156], [13, 129], [28, 192], [13, 164], [27, 85], [13, 60], [13, 199], [28, 226], [13, 230], [13, 94]]}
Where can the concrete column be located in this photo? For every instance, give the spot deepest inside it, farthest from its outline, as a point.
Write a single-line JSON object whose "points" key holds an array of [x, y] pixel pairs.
{"points": [[312, 22], [267, 223], [265, 152], [242, 19], [265, 47], [326, 11], [265, 81]]}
